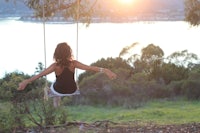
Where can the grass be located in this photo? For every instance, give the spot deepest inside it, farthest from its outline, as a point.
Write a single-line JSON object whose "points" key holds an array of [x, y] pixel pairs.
{"points": [[158, 112]]}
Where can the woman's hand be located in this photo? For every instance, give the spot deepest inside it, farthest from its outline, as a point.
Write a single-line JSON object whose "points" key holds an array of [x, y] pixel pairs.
{"points": [[109, 73], [23, 85]]}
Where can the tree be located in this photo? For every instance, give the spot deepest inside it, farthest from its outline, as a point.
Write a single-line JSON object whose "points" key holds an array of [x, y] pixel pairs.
{"points": [[192, 12], [39, 68], [149, 62], [152, 58], [81, 10], [127, 51], [183, 58], [151, 53], [9, 85], [171, 72]]}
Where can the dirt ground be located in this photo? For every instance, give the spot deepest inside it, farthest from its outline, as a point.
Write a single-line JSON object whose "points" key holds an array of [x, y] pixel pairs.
{"points": [[110, 127], [184, 128]]}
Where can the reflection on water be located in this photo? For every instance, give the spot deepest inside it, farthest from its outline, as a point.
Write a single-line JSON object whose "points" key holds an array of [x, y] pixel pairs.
{"points": [[22, 43]]}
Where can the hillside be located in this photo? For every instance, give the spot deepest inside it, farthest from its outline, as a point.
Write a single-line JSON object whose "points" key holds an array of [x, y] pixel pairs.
{"points": [[13, 8]]}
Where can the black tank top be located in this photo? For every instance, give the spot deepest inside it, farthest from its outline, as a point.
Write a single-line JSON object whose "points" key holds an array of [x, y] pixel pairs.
{"points": [[65, 83]]}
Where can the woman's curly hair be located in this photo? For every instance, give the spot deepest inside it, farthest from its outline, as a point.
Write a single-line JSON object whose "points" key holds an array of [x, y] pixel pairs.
{"points": [[63, 54]]}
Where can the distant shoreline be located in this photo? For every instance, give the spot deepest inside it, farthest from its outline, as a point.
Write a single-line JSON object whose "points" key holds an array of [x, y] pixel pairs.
{"points": [[94, 20]]}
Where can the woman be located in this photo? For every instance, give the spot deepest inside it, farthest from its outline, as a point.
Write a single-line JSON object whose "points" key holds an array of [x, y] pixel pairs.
{"points": [[64, 68]]}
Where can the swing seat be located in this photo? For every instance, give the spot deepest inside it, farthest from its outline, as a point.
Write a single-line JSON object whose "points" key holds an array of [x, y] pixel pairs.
{"points": [[53, 94]]}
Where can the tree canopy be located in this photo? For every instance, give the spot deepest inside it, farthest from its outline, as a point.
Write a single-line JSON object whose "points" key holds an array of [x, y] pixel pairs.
{"points": [[79, 10], [192, 12]]}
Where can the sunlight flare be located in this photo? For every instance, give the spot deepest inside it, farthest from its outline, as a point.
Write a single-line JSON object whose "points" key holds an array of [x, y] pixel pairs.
{"points": [[126, 1]]}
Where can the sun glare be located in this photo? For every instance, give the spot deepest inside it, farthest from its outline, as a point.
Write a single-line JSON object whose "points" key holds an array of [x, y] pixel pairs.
{"points": [[126, 1]]}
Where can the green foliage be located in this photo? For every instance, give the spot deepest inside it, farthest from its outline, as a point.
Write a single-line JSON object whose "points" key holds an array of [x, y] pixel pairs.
{"points": [[129, 92], [159, 111], [10, 118], [110, 63], [192, 12], [9, 84], [40, 68], [149, 62], [27, 111], [194, 74], [176, 88], [99, 90], [191, 86], [127, 49], [152, 58], [171, 72], [150, 78], [183, 58], [5, 122], [81, 10], [36, 112], [148, 90], [191, 89], [151, 53]]}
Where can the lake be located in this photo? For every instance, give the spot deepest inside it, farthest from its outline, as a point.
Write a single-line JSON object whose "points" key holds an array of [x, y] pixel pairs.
{"points": [[22, 43]]}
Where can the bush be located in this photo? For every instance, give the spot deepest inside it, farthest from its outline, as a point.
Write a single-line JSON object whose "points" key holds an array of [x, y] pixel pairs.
{"points": [[192, 89], [10, 119], [176, 88], [42, 113], [26, 112], [6, 122]]}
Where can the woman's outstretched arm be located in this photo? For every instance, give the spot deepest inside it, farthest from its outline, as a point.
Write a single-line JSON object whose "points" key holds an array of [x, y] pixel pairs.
{"points": [[82, 66], [47, 71]]}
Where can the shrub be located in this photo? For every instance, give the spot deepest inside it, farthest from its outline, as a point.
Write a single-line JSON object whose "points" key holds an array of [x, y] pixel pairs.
{"points": [[10, 119], [192, 89], [176, 88]]}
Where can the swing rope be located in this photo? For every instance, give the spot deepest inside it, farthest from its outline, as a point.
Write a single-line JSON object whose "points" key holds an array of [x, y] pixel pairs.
{"points": [[44, 41], [77, 33]]}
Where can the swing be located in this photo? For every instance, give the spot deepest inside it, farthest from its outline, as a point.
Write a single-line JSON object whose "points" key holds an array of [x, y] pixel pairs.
{"points": [[53, 93], [49, 91]]}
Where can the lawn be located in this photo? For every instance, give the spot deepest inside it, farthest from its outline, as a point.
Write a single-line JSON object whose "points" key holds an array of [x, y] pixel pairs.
{"points": [[159, 112]]}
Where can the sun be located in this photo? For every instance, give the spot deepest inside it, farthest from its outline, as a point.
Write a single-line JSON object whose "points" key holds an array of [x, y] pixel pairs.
{"points": [[126, 1]]}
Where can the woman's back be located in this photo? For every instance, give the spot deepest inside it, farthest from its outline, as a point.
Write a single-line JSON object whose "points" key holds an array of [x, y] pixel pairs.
{"points": [[65, 82]]}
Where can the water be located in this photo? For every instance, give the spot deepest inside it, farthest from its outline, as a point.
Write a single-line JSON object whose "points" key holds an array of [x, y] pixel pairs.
{"points": [[22, 43]]}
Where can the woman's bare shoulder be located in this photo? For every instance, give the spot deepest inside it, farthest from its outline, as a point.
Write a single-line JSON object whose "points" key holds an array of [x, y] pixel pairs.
{"points": [[75, 62], [54, 64]]}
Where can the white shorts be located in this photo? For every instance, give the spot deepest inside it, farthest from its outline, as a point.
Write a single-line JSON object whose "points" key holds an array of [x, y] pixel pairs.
{"points": [[54, 93]]}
